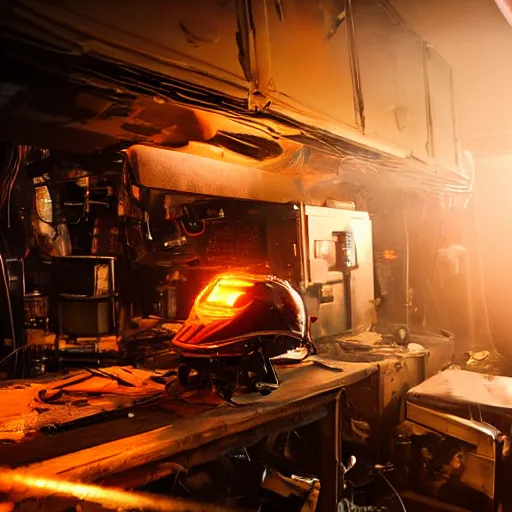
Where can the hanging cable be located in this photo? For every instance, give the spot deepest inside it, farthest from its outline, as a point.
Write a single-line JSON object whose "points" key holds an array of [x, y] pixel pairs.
{"points": [[15, 351], [394, 490], [5, 279]]}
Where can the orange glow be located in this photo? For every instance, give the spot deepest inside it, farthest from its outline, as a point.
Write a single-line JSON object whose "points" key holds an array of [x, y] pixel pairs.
{"points": [[390, 255], [227, 291], [21, 485]]}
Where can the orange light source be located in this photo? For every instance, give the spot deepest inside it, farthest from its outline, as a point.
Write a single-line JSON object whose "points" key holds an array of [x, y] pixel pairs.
{"points": [[20, 485], [390, 255], [227, 291]]}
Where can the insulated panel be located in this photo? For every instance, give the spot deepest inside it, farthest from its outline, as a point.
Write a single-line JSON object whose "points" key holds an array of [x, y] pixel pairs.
{"points": [[391, 62], [171, 170]]}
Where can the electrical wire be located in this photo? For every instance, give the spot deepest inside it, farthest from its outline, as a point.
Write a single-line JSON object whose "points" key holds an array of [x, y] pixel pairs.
{"points": [[17, 160], [11, 315], [395, 491], [15, 351], [480, 263], [447, 210], [430, 278], [188, 233]]}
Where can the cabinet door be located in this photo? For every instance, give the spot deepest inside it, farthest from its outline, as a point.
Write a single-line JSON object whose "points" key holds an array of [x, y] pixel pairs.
{"points": [[444, 144], [306, 64], [391, 63], [199, 35]]}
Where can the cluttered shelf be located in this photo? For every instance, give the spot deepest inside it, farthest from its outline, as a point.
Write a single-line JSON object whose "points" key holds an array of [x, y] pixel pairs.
{"points": [[93, 423]]}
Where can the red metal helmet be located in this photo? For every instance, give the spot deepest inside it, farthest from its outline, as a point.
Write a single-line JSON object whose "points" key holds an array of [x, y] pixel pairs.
{"points": [[237, 313]]}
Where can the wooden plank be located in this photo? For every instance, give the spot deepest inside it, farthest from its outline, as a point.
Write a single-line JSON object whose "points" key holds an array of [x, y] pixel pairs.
{"points": [[142, 475], [302, 388], [187, 434]]}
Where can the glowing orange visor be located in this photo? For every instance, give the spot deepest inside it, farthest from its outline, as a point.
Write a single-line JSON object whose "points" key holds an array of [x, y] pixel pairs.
{"points": [[225, 292]]}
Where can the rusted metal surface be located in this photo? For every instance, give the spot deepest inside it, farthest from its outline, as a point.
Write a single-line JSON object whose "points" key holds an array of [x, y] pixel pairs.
{"points": [[398, 377]]}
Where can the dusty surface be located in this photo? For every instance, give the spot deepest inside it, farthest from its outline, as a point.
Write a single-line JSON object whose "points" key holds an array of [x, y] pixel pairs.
{"points": [[27, 407], [458, 386], [172, 426]]}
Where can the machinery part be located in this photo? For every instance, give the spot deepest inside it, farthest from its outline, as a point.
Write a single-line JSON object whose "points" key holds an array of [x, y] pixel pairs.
{"points": [[236, 478], [352, 461], [401, 334], [235, 313], [36, 310], [308, 488], [238, 323], [19, 485], [191, 223], [253, 373], [346, 258]]}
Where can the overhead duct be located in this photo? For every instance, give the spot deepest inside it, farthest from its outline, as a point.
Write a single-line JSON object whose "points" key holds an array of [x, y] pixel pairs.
{"points": [[165, 169]]}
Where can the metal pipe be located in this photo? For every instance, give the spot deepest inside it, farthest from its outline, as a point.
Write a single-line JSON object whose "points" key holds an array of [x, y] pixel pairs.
{"points": [[407, 268], [304, 247], [15, 347], [337, 442], [20, 484]]}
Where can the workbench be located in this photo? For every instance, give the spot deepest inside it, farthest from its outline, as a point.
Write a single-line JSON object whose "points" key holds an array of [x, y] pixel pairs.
{"points": [[136, 448]]}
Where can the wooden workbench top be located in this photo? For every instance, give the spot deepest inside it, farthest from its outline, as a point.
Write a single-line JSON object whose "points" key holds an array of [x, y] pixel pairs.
{"points": [[169, 427]]}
